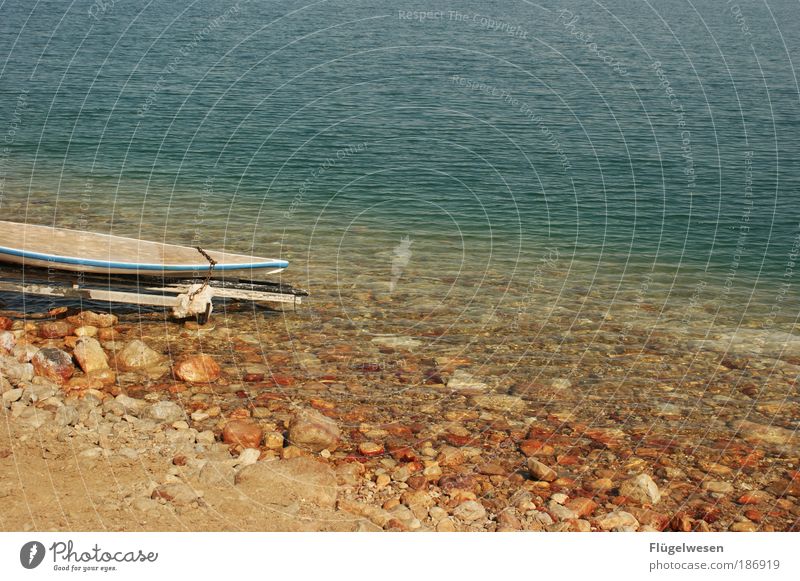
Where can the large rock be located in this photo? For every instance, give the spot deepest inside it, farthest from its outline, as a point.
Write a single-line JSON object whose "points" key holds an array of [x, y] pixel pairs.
{"points": [[137, 355], [242, 433], [197, 369], [764, 434], [100, 320], [54, 329], [165, 412], [311, 430], [90, 355], [641, 488], [284, 482], [53, 364]]}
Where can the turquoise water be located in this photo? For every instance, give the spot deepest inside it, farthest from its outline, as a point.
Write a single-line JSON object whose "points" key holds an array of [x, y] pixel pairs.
{"points": [[647, 153]]}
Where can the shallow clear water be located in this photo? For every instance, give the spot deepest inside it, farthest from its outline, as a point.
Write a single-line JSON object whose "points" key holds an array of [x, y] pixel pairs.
{"points": [[503, 157]]}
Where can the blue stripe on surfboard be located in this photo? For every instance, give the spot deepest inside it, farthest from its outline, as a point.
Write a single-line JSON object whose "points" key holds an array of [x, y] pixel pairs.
{"points": [[136, 266]]}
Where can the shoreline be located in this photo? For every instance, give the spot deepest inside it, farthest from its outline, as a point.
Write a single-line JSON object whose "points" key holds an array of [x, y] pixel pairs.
{"points": [[232, 424]]}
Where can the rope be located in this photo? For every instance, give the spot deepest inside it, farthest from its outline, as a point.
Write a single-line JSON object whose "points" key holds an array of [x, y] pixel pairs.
{"points": [[212, 263]]}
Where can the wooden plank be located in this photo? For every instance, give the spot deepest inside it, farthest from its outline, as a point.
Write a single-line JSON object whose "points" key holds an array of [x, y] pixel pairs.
{"points": [[132, 298], [89, 280], [94, 294], [142, 298], [241, 294], [42, 289]]}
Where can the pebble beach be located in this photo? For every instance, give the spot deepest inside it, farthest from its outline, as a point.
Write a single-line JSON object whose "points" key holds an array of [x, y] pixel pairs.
{"points": [[301, 420]]}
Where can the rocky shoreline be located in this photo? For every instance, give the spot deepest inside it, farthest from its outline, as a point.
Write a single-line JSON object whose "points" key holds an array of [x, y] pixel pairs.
{"points": [[224, 427]]}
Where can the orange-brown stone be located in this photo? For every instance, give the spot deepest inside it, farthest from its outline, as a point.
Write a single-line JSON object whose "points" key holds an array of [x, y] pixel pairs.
{"points": [[242, 433], [197, 369]]}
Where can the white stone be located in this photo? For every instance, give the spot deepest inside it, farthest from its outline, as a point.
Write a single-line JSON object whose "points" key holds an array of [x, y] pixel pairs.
{"points": [[165, 412], [618, 521], [463, 380], [641, 488], [561, 383], [394, 342], [470, 511], [248, 456]]}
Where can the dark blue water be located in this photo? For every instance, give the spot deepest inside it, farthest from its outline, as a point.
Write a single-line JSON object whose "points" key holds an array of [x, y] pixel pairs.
{"points": [[652, 147]]}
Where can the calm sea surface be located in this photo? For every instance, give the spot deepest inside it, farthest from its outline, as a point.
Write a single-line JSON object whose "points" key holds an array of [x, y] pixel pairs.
{"points": [[502, 155]]}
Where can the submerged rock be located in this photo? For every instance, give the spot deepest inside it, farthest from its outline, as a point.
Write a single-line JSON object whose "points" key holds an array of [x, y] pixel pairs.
{"points": [[197, 369], [718, 486], [394, 342], [582, 506], [642, 489], [761, 433], [463, 380], [500, 403], [540, 471], [618, 521], [370, 449], [311, 430], [137, 355], [470, 511]]}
